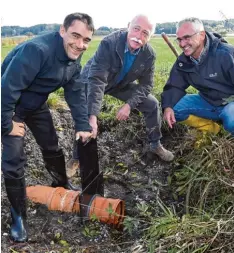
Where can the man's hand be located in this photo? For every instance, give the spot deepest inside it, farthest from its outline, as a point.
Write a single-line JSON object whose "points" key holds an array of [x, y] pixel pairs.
{"points": [[169, 116], [123, 112], [93, 124], [18, 129], [84, 136]]}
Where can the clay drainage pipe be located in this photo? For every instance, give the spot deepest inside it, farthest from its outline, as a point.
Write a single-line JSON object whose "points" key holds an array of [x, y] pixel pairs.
{"points": [[107, 210]]}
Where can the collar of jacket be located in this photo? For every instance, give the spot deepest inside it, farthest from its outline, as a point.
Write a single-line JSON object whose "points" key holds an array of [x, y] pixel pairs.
{"points": [[203, 54], [61, 53], [185, 63], [143, 55]]}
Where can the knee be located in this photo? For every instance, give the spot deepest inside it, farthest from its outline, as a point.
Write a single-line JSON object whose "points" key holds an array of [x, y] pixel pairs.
{"points": [[12, 172], [149, 106], [181, 108], [227, 117], [228, 124], [180, 113], [13, 165], [13, 168], [151, 103], [13, 157]]}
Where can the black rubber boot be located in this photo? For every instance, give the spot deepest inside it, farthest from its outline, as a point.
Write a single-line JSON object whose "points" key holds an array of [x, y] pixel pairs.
{"points": [[55, 164], [16, 193]]}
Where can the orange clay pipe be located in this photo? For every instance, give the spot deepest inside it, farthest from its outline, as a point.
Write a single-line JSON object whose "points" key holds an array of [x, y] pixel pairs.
{"points": [[64, 200]]}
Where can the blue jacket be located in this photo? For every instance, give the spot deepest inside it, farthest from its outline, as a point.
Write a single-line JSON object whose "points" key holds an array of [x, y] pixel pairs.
{"points": [[102, 71], [213, 77], [34, 69]]}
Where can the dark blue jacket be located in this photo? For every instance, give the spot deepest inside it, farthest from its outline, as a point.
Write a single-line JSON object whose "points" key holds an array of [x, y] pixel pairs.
{"points": [[102, 71], [33, 70], [213, 77]]}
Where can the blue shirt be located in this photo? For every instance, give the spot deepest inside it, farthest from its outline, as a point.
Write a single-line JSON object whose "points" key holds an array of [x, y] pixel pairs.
{"points": [[129, 58]]}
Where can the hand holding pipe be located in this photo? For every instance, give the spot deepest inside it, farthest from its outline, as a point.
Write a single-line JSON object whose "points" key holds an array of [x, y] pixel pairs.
{"points": [[173, 49]]}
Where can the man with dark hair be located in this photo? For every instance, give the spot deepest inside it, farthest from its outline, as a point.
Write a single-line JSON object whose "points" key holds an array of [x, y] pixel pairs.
{"points": [[207, 63], [30, 73]]}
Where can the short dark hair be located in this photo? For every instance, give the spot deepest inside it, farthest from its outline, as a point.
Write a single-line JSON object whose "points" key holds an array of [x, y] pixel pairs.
{"points": [[85, 18]]}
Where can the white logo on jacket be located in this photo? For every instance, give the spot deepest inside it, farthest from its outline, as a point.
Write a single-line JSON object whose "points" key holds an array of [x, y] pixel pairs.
{"points": [[213, 75]]}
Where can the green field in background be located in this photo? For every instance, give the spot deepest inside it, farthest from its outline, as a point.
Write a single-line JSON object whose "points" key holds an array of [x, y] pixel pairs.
{"points": [[164, 62]]}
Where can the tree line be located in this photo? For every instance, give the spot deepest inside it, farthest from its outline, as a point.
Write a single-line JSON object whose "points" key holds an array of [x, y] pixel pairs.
{"points": [[223, 27]]}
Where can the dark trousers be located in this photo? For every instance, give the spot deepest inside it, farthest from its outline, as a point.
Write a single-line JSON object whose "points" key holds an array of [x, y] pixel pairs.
{"points": [[149, 108], [41, 124]]}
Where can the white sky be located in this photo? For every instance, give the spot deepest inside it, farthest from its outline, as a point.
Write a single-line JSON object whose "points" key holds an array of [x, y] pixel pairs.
{"points": [[111, 13]]}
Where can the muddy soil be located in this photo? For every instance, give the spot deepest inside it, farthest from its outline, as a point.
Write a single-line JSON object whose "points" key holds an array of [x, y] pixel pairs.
{"points": [[131, 173]]}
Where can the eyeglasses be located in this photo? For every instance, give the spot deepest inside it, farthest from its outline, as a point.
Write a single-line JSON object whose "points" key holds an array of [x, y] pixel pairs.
{"points": [[186, 38]]}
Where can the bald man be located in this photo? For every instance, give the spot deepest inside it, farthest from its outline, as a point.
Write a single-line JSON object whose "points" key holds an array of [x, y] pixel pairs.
{"points": [[123, 67]]}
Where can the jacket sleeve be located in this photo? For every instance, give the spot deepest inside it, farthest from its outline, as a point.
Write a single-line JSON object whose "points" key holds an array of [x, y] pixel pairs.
{"points": [[97, 78], [231, 68], [174, 89], [18, 71], [144, 87], [75, 96]]}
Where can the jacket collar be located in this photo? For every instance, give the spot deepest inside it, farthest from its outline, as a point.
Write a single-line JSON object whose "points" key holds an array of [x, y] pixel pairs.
{"points": [[204, 52], [120, 46]]}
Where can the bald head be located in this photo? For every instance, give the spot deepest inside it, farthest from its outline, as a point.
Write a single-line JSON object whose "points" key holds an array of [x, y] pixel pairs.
{"points": [[141, 18], [140, 30]]}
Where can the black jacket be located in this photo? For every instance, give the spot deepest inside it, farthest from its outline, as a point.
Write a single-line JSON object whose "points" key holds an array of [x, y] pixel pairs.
{"points": [[213, 77], [102, 70], [33, 70]]}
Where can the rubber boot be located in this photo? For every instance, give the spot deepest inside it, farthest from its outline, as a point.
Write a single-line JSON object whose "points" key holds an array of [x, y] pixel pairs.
{"points": [[16, 193], [202, 124], [55, 164]]}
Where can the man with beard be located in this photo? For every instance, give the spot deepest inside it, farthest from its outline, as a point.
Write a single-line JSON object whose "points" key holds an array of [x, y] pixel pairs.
{"points": [[30, 73], [207, 63]]}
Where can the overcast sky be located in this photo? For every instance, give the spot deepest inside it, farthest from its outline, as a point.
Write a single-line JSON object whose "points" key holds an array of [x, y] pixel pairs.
{"points": [[111, 13]]}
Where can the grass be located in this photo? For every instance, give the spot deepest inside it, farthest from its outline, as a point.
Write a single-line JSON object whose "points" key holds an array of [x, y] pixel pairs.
{"points": [[201, 181], [165, 59], [164, 62], [205, 178], [200, 214]]}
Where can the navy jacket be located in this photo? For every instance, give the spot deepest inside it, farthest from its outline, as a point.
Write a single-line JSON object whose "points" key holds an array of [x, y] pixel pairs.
{"points": [[102, 71], [213, 77], [33, 70]]}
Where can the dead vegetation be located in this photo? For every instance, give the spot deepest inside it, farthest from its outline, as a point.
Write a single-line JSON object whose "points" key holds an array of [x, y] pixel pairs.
{"points": [[186, 206]]}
